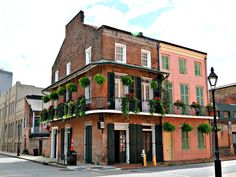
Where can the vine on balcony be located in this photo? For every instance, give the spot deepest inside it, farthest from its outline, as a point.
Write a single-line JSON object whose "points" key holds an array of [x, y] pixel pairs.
{"points": [[156, 106], [80, 107], [129, 103], [44, 115]]}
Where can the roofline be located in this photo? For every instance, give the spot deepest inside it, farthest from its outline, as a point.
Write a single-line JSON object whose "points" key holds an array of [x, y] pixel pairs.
{"points": [[8, 72], [102, 62], [225, 86], [152, 39]]}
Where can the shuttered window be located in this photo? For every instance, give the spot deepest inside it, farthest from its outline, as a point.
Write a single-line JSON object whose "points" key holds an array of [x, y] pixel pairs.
{"points": [[165, 62], [197, 69], [199, 95], [182, 66], [185, 140], [201, 140], [184, 93]]}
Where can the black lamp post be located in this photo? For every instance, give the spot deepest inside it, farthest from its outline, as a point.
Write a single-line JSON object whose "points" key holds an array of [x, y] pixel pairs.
{"points": [[18, 143], [212, 78]]}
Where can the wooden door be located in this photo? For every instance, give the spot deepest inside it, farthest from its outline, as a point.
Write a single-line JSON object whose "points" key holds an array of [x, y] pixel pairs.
{"points": [[147, 144], [88, 144], [168, 153]]}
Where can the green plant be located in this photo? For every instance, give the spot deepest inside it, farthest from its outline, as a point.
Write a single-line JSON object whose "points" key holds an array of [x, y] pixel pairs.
{"points": [[168, 127], [84, 82], [53, 95], [156, 106], [179, 103], [51, 113], [45, 98], [186, 127], [195, 105], [154, 84], [209, 107], [127, 80], [60, 91], [129, 103], [71, 87], [43, 115], [204, 128], [219, 128], [80, 107], [71, 108], [99, 79], [60, 110]]}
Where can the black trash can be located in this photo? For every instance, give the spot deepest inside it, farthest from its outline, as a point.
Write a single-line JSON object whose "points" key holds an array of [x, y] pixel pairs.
{"points": [[36, 152], [72, 158]]}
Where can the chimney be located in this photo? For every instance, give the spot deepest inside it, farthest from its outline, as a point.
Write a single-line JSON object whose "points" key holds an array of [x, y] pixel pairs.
{"points": [[81, 16]]}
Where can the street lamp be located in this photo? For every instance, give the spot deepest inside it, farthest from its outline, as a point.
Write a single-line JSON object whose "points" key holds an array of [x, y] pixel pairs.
{"points": [[212, 78], [18, 143]]}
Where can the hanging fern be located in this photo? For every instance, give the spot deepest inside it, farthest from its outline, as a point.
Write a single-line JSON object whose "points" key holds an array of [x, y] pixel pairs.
{"points": [[60, 91], [45, 98], [168, 127], [99, 79], [204, 128], [186, 127], [127, 80], [71, 87], [84, 82], [53, 95], [154, 84]]}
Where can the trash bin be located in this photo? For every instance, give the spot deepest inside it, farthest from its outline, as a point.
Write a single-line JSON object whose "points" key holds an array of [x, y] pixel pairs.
{"points": [[71, 158], [36, 152]]}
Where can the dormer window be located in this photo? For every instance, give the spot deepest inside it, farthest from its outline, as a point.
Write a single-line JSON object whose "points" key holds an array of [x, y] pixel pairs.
{"points": [[68, 67], [56, 78], [88, 54], [146, 58]]}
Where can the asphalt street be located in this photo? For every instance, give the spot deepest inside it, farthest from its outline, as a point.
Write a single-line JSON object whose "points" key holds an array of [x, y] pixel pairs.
{"points": [[14, 167]]}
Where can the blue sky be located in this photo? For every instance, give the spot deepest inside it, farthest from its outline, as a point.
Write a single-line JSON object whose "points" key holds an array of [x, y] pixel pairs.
{"points": [[32, 32]]}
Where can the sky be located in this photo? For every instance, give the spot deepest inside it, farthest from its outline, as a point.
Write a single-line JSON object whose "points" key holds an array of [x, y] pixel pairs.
{"points": [[32, 31]]}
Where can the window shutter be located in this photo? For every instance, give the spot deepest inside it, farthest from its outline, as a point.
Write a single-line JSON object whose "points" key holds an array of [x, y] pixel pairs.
{"points": [[62, 143], [138, 92], [111, 144], [131, 87], [111, 90], [159, 145]]}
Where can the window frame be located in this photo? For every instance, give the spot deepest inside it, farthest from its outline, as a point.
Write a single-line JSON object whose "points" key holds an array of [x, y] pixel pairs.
{"points": [[123, 46], [184, 94], [68, 68], [201, 97], [197, 71], [144, 83], [183, 66], [56, 77], [148, 58], [185, 140], [88, 92], [165, 63], [201, 140], [88, 51]]}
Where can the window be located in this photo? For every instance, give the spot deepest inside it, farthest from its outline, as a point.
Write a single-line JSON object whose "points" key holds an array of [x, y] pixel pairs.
{"points": [[226, 114], [147, 91], [146, 58], [182, 66], [165, 62], [120, 89], [169, 91], [88, 92], [197, 69], [88, 54], [201, 140], [120, 53], [56, 76], [199, 95], [68, 67], [184, 93], [185, 140]]}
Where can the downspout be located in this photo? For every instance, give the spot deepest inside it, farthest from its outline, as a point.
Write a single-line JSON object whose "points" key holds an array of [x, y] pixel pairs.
{"points": [[158, 56]]}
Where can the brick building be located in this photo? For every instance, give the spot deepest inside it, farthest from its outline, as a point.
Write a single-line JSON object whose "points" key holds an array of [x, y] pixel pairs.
{"points": [[225, 97], [107, 132]]}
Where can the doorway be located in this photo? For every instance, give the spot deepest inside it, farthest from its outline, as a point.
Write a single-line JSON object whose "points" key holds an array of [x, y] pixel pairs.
{"points": [[120, 146], [88, 144], [54, 141], [40, 147], [147, 144]]}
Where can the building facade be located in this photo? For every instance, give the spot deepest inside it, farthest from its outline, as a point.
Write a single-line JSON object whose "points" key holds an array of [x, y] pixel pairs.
{"points": [[5, 80], [103, 127], [18, 113]]}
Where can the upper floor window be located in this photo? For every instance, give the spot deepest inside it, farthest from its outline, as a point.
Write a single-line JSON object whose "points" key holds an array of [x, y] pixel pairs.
{"points": [[147, 91], [88, 54], [184, 93], [168, 91], [88, 92], [68, 67], [182, 66], [120, 53], [199, 95], [165, 62], [56, 75], [146, 58], [120, 89], [197, 69]]}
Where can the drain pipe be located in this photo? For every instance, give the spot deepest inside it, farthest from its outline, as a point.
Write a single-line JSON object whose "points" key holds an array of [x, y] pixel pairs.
{"points": [[158, 56]]}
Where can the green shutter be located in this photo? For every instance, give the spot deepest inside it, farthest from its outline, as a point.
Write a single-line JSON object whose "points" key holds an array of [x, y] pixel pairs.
{"points": [[111, 144], [201, 143], [185, 140], [62, 143], [138, 92], [111, 90], [159, 145]]}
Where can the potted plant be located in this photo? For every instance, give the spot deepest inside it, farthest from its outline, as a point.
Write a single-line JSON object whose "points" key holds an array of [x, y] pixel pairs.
{"points": [[84, 82], [156, 106], [196, 107], [209, 108], [186, 127], [99, 79], [71, 87], [127, 80], [60, 110], [53, 95], [154, 84], [129, 103], [179, 103], [45, 98], [71, 108], [80, 107], [60, 91], [204, 128], [168, 127]]}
